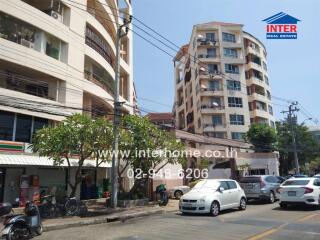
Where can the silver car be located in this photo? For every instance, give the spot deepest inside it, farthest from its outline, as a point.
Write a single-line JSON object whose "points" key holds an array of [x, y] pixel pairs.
{"points": [[178, 191], [261, 187]]}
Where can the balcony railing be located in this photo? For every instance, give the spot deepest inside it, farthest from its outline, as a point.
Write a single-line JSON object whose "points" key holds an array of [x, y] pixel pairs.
{"points": [[96, 43], [105, 84], [207, 55], [206, 125], [211, 89], [212, 106]]}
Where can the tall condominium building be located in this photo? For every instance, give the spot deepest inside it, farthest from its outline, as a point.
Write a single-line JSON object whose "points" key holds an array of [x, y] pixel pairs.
{"points": [[57, 57], [221, 82]]}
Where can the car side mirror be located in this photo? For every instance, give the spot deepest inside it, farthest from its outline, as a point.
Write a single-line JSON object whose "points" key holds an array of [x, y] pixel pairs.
{"points": [[220, 189]]}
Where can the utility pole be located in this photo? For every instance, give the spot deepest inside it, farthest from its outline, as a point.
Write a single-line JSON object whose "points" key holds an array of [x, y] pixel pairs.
{"points": [[116, 117], [292, 119]]}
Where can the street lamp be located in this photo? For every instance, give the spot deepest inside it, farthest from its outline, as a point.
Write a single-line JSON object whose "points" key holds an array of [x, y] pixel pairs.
{"points": [[307, 119]]}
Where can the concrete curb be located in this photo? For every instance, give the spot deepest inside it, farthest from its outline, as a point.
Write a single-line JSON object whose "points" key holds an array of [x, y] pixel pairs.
{"points": [[106, 219]]}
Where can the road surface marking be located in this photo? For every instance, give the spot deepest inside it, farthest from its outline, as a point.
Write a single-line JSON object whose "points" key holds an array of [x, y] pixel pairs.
{"points": [[307, 217], [273, 230]]}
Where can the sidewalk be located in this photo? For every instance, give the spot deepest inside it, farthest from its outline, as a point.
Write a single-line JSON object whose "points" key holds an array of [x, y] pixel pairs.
{"points": [[109, 215]]}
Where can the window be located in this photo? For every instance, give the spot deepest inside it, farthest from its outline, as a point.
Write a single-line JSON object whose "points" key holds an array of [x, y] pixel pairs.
{"points": [[228, 37], [236, 119], [232, 185], [210, 37], [266, 79], [39, 123], [264, 66], [270, 110], [230, 52], [233, 85], [199, 122], [6, 125], [212, 68], [268, 95], [214, 85], [224, 185], [23, 128], [272, 124], [235, 102], [230, 68], [271, 179], [237, 135], [196, 73], [217, 120], [211, 53]]}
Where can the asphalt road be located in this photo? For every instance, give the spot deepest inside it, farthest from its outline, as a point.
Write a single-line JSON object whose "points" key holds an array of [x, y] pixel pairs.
{"points": [[259, 221]]}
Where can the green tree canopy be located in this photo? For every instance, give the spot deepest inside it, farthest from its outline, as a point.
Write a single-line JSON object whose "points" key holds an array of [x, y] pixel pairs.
{"points": [[263, 137], [78, 137]]}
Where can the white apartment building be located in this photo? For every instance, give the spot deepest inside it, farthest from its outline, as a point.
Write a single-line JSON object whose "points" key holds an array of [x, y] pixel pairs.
{"points": [[221, 82], [57, 57]]}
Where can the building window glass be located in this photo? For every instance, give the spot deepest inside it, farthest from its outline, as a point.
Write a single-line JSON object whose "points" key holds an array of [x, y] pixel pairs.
{"points": [[264, 66], [237, 135], [233, 85], [217, 120], [270, 110], [23, 128], [39, 123], [235, 102], [230, 52], [236, 119], [214, 85], [228, 37], [210, 37], [212, 68], [230, 68], [211, 53], [266, 79], [6, 125]]}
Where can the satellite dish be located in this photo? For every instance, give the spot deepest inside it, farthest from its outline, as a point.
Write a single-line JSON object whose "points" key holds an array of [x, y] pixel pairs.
{"points": [[200, 36], [202, 69], [203, 86]]}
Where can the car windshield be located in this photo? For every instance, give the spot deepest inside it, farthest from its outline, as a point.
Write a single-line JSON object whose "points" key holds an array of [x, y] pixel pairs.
{"points": [[296, 182], [207, 184]]}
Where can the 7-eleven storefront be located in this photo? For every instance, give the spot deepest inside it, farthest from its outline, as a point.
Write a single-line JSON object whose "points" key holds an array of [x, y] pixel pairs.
{"points": [[24, 175]]}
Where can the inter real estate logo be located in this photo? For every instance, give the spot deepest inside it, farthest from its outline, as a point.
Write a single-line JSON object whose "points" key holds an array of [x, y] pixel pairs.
{"points": [[281, 26]]}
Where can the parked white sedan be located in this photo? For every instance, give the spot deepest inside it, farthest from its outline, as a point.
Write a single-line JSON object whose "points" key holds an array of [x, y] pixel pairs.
{"points": [[300, 191], [212, 196]]}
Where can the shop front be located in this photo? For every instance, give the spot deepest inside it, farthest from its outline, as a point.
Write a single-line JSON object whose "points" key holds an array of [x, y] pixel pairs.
{"points": [[25, 177]]}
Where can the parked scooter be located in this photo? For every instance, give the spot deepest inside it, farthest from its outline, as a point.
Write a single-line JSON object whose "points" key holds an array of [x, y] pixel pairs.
{"points": [[164, 197], [20, 226]]}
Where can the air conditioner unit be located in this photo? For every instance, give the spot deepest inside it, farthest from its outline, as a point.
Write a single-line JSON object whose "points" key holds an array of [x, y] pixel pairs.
{"points": [[201, 56], [56, 15], [27, 43]]}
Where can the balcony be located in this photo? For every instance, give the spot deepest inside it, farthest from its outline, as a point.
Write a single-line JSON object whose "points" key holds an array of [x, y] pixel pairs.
{"points": [[54, 8], [24, 80], [97, 43], [100, 81], [207, 43]]}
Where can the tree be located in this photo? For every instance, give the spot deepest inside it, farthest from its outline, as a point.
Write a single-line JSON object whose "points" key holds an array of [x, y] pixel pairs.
{"points": [[315, 165], [263, 137], [78, 136], [146, 144], [307, 146]]}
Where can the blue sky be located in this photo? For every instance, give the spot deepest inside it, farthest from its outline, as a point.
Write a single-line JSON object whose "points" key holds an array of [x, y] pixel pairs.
{"points": [[293, 65]]}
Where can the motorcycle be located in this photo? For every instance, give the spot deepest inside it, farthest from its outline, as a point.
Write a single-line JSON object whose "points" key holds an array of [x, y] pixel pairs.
{"points": [[20, 226], [164, 197]]}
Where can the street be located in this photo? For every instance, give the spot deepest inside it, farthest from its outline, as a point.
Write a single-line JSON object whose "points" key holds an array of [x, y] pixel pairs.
{"points": [[259, 221]]}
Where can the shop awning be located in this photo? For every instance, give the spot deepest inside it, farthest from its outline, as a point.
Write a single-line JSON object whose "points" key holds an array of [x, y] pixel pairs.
{"points": [[33, 160]]}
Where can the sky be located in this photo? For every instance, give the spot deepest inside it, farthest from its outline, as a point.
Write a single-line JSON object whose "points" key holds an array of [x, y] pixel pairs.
{"points": [[293, 65]]}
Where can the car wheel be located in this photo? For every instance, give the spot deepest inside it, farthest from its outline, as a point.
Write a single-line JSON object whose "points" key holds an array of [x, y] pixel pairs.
{"points": [[283, 205], [215, 208], [178, 194], [243, 204], [271, 197]]}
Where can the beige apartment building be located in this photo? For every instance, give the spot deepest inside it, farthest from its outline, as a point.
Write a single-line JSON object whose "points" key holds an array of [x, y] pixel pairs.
{"points": [[56, 58], [221, 82]]}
